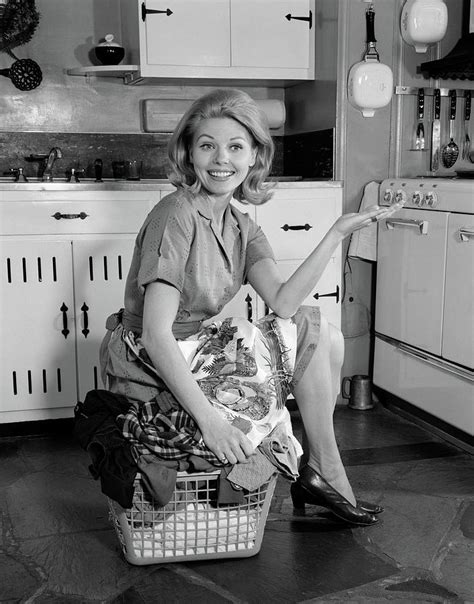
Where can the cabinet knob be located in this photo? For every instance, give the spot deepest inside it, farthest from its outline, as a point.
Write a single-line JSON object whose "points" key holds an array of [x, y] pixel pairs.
{"points": [[85, 329], [309, 18], [296, 227], [150, 11], [334, 294], [64, 330], [59, 216]]}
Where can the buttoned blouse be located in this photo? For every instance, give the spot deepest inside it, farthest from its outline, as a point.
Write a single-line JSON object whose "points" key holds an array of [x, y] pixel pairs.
{"points": [[179, 243]]}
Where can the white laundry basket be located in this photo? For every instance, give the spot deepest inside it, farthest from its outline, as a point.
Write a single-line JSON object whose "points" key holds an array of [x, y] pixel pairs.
{"points": [[191, 527]]}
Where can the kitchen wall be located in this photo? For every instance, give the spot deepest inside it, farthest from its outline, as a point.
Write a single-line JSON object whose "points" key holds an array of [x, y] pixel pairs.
{"points": [[104, 108]]}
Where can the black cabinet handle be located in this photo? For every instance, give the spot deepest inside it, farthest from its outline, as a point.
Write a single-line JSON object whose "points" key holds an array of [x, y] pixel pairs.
{"points": [[59, 216], [248, 299], [64, 310], [334, 294], [150, 11], [296, 227], [85, 329], [309, 18]]}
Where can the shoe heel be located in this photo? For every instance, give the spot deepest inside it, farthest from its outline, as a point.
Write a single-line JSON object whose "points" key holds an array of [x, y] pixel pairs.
{"points": [[298, 497]]}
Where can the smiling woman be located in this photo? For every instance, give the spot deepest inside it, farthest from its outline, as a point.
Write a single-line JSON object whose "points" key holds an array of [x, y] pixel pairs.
{"points": [[222, 385]]}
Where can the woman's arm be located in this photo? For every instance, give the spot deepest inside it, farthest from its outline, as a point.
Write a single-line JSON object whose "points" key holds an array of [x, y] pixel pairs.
{"points": [[161, 305], [285, 297]]}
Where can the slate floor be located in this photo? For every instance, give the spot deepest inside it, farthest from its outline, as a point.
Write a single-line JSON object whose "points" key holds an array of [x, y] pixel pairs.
{"points": [[57, 545]]}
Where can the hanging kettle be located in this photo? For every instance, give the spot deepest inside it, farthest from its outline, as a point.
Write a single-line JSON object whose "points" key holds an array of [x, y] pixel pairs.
{"points": [[423, 22], [370, 82]]}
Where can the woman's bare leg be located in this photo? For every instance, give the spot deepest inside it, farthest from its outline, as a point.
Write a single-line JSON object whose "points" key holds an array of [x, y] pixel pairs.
{"points": [[315, 395]]}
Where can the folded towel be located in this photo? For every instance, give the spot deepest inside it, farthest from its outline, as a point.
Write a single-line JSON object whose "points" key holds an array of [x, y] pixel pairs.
{"points": [[363, 243]]}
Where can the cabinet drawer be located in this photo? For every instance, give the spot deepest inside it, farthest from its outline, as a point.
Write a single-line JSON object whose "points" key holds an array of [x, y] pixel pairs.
{"points": [[61, 217], [295, 221]]}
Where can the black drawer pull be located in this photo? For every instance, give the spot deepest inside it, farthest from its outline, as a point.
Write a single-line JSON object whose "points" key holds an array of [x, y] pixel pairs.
{"points": [[85, 330], [58, 216], [331, 295], [64, 310], [296, 227], [150, 11], [248, 299]]}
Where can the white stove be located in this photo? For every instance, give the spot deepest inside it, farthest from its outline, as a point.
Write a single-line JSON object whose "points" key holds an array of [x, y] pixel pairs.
{"points": [[424, 315]]}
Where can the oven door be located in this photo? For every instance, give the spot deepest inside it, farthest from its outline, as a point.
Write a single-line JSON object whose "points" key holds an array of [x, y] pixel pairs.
{"points": [[458, 322], [411, 260]]}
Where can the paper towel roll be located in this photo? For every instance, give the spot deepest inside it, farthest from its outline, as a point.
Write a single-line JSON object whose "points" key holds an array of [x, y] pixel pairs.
{"points": [[163, 115]]}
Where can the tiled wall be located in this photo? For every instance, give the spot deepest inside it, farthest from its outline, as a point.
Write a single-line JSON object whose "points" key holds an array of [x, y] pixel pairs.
{"points": [[308, 155]]}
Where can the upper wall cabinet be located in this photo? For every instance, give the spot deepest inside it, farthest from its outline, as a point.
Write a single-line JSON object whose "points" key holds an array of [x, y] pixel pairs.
{"points": [[269, 40]]}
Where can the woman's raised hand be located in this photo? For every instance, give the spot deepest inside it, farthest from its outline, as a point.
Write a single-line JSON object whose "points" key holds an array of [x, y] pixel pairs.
{"points": [[348, 223], [228, 443]]}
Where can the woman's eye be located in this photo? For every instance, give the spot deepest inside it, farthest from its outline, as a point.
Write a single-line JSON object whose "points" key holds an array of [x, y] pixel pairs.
{"points": [[236, 147], [206, 146]]}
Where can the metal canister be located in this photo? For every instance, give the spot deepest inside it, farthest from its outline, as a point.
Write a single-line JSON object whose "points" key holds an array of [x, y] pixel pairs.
{"points": [[358, 389]]}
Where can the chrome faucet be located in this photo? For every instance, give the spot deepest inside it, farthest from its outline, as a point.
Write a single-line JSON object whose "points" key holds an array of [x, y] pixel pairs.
{"points": [[53, 155]]}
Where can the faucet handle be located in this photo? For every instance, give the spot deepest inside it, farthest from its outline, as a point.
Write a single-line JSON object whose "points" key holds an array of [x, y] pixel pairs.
{"points": [[17, 173], [73, 174]]}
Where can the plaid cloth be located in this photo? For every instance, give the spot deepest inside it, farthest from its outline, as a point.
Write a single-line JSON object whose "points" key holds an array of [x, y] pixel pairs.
{"points": [[173, 435]]}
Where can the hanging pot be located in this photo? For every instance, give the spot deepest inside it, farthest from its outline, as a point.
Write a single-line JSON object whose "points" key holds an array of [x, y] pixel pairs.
{"points": [[25, 74], [423, 22], [370, 82]]}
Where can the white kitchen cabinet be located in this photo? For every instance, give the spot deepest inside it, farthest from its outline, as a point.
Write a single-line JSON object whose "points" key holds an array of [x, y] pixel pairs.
{"points": [[294, 221], [219, 39], [64, 271]]}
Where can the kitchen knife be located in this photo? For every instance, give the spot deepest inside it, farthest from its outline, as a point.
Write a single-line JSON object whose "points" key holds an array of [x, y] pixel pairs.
{"points": [[420, 129], [436, 131]]}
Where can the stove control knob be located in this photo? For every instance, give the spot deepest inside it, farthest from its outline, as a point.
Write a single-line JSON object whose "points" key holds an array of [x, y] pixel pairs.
{"points": [[400, 197], [431, 199], [417, 198], [388, 196]]}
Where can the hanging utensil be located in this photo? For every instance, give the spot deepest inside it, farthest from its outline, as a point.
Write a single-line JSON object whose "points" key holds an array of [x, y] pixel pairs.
{"points": [[370, 82], [420, 129], [436, 130], [25, 74], [450, 152], [466, 148]]}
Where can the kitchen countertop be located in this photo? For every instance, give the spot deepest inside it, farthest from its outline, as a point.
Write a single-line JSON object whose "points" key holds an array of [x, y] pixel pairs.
{"points": [[7, 184]]}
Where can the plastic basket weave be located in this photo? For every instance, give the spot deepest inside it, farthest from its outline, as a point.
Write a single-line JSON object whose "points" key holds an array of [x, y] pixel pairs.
{"points": [[190, 526]]}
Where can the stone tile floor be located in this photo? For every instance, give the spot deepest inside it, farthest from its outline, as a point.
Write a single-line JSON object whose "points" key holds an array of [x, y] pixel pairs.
{"points": [[57, 545]]}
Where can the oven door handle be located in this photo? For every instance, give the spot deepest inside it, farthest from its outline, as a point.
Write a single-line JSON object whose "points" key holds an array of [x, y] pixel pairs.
{"points": [[421, 225], [462, 373], [466, 234]]}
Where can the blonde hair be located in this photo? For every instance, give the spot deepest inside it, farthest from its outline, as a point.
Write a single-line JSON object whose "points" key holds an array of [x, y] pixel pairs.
{"points": [[239, 106]]}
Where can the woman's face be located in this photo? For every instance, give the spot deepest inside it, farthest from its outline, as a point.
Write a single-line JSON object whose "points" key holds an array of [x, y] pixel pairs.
{"points": [[222, 152]]}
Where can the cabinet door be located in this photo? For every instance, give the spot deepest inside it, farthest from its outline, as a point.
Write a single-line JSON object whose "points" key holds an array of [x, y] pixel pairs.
{"points": [[296, 220], [244, 304], [327, 293], [458, 328], [37, 352], [197, 32], [100, 271], [263, 36]]}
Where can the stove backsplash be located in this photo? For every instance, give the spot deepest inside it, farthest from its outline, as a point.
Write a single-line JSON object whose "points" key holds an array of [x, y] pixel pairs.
{"points": [[309, 155]]}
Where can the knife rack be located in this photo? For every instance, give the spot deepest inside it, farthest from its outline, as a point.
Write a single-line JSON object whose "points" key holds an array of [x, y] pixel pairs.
{"points": [[460, 92]]}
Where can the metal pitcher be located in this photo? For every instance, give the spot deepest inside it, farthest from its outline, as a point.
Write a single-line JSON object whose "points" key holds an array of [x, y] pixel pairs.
{"points": [[359, 392]]}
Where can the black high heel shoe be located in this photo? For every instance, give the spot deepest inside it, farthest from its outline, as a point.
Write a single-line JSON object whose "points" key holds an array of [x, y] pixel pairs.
{"points": [[313, 489]]}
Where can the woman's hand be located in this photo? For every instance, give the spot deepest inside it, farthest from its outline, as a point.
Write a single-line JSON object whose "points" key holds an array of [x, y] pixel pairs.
{"points": [[348, 223], [224, 440]]}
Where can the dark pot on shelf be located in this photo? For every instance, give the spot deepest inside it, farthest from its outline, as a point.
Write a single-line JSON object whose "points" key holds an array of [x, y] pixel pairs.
{"points": [[109, 52]]}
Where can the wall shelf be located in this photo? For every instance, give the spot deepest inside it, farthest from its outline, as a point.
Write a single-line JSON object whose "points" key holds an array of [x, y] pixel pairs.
{"points": [[104, 71]]}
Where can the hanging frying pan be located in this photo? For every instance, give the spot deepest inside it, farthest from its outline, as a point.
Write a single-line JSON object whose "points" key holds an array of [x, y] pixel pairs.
{"points": [[25, 74], [370, 82]]}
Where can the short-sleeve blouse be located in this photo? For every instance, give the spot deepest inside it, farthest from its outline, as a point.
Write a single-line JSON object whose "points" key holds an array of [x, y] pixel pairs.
{"points": [[179, 243]]}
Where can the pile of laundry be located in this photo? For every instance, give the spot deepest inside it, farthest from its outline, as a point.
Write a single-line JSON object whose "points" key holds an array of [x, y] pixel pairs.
{"points": [[125, 439]]}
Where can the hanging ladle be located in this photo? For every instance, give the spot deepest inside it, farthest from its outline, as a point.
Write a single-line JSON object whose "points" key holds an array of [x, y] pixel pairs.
{"points": [[450, 151], [25, 74]]}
